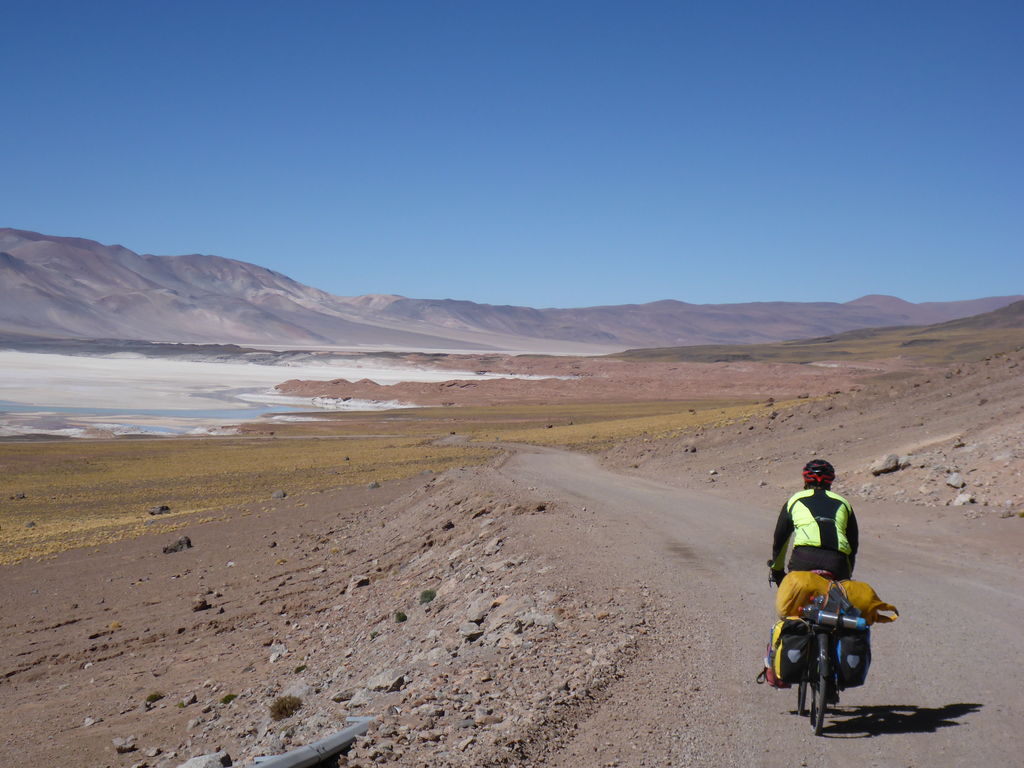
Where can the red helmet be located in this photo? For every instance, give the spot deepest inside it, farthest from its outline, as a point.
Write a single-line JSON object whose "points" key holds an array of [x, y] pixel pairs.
{"points": [[819, 471]]}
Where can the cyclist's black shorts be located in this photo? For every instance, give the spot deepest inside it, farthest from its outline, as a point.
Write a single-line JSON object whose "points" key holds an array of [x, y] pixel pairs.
{"points": [[815, 559]]}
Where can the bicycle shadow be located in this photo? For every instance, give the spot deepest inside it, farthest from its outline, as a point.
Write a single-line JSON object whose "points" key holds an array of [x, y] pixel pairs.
{"points": [[869, 721]]}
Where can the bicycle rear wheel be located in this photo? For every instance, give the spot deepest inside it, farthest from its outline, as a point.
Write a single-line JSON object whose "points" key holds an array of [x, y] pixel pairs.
{"points": [[801, 698], [819, 701]]}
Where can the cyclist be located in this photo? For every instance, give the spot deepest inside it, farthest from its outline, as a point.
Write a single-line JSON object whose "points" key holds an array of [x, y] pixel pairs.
{"points": [[821, 524]]}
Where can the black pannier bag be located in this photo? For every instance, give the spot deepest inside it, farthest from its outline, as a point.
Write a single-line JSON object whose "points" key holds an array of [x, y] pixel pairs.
{"points": [[791, 645], [853, 653]]}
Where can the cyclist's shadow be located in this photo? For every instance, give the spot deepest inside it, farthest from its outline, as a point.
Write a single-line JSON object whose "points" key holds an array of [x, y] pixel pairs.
{"points": [[865, 722]]}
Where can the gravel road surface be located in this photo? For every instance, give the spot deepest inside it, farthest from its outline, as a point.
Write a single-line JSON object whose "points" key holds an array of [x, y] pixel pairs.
{"points": [[944, 684]]}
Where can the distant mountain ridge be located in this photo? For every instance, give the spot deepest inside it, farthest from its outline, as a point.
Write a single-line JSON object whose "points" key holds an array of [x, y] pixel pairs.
{"points": [[77, 288]]}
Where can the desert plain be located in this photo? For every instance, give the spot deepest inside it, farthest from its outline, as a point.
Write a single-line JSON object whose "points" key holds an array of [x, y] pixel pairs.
{"points": [[560, 571]]}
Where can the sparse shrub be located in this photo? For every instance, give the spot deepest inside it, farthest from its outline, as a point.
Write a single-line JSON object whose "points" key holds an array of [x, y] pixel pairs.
{"points": [[427, 595], [181, 705], [285, 706], [400, 617], [300, 668], [228, 698], [373, 634], [114, 625], [154, 697]]}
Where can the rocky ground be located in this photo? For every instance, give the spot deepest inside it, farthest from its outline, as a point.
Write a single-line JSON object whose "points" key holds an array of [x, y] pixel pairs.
{"points": [[425, 611], [479, 616], [952, 437]]}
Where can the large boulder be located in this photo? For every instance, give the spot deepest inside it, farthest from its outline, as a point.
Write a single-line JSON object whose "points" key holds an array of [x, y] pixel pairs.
{"points": [[886, 464], [388, 680], [213, 760]]}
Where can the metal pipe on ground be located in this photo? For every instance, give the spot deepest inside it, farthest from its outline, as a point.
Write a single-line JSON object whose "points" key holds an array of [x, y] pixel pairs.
{"points": [[318, 751]]}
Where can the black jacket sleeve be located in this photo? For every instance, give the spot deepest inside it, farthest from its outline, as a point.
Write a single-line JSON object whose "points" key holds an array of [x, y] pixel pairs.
{"points": [[852, 536]]}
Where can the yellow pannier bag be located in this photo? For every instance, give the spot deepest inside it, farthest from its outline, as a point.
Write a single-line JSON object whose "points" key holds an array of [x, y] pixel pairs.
{"points": [[799, 588]]}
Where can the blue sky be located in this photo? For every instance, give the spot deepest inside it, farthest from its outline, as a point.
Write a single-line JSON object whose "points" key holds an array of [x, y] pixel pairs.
{"points": [[534, 153]]}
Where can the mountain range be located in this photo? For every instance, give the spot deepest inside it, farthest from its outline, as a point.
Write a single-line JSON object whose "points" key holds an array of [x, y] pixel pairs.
{"points": [[76, 288]]}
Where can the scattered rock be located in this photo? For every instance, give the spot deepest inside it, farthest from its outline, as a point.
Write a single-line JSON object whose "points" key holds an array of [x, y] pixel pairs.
{"points": [[181, 544], [214, 760], [539, 620], [279, 494], [360, 698], [963, 499], [493, 546], [388, 680], [124, 745], [161, 509], [954, 480], [373, 484], [200, 603], [886, 464], [30, 524], [299, 690], [358, 581], [479, 608]]}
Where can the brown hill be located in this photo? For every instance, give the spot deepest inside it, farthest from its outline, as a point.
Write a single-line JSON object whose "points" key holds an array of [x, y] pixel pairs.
{"points": [[77, 288]]}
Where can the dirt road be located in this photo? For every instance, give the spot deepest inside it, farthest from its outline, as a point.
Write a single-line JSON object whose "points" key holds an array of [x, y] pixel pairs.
{"points": [[944, 687]]}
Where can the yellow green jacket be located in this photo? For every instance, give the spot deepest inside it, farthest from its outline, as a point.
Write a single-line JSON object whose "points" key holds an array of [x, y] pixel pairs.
{"points": [[815, 517]]}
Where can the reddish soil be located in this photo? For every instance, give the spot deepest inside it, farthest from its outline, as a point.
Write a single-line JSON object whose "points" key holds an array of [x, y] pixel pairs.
{"points": [[601, 380]]}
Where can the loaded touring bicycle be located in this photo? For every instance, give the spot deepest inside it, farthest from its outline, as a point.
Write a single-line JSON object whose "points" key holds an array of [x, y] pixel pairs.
{"points": [[822, 642]]}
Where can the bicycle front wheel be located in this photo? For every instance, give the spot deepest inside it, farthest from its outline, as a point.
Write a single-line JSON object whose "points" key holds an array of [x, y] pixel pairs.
{"points": [[801, 698]]}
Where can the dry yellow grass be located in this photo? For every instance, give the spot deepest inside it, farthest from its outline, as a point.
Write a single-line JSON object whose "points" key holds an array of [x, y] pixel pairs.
{"points": [[602, 434], [83, 493], [80, 493]]}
